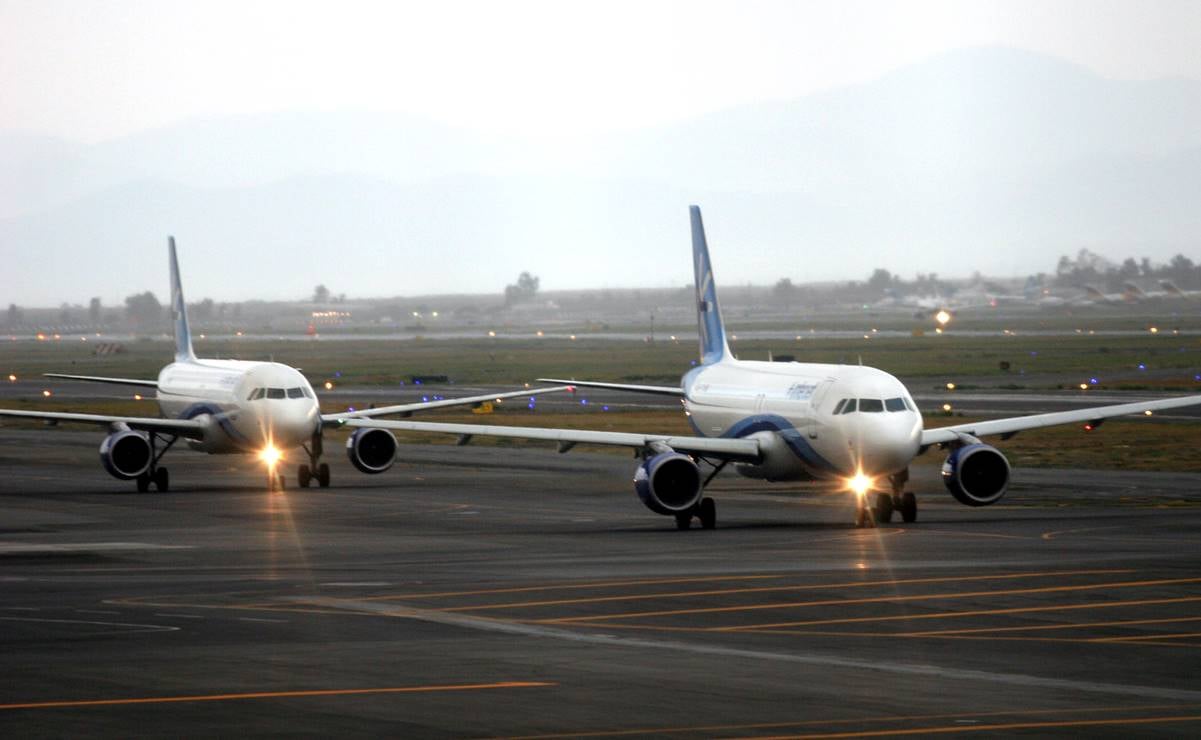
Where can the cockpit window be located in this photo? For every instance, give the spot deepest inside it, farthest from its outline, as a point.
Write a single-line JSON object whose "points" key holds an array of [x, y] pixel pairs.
{"points": [[295, 393], [871, 405], [849, 408], [256, 394], [275, 393], [838, 407], [895, 404]]}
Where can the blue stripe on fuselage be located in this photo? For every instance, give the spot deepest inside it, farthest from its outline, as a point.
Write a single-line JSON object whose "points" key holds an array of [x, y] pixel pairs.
{"points": [[200, 409], [790, 434]]}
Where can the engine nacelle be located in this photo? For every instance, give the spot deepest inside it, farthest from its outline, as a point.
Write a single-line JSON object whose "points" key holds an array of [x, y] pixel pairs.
{"points": [[126, 454], [668, 483], [371, 450], [976, 474]]}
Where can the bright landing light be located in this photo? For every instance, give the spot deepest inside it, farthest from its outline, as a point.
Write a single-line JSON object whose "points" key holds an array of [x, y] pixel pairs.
{"points": [[859, 483], [270, 455]]}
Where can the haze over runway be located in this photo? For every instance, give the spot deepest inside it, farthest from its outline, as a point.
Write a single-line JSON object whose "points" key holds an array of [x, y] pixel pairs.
{"points": [[315, 147]]}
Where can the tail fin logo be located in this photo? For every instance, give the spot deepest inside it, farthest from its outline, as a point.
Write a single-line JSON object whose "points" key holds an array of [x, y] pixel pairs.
{"points": [[708, 313], [179, 310]]}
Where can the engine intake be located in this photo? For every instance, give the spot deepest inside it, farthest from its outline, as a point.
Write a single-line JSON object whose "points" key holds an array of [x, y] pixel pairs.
{"points": [[976, 474], [668, 483], [371, 450], [126, 454]]}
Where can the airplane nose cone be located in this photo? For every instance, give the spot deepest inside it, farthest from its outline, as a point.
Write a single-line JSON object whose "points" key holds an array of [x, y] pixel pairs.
{"points": [[291, 423], [889, 446]]}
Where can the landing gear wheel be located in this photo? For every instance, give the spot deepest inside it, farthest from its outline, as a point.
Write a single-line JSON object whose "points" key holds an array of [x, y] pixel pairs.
{"points": [[162, 480], [684, 521], [883, 508], [323, 475], [303, 476], [707, 513], [143, 482], [908, 507]]}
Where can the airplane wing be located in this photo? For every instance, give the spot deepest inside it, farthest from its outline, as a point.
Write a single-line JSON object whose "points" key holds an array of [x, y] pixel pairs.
{"points": [[746, 450], [941, 435], [182, 427], [98, 379], [409, 408], [662, 390]]}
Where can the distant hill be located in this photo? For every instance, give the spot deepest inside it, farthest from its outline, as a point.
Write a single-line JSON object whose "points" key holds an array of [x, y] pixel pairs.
{"points": [[985, 159]]}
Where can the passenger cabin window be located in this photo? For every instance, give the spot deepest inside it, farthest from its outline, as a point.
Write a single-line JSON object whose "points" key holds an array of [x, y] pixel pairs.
{"points": [[256, 394], [871, 405], [275, 393], [295, 393], [895, 404]]}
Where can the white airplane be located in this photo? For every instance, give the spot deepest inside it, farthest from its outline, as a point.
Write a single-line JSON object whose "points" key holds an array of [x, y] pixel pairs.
{"points": [[1171, 290], [851, 424], [1093, 293], [233, 406]]}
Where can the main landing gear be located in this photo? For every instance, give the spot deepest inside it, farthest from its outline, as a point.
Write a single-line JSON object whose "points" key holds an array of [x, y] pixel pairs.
{"points": [[899, 501], [311, 471], [155, 475], [705, 510]]}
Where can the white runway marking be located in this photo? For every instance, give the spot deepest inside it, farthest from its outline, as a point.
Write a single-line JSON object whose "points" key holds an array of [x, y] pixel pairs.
{"points": [[33, 548], [135, 627], [641, 643]]}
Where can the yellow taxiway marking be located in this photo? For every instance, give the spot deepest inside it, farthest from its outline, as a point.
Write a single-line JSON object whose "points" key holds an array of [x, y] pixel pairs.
{"points": [[949, 615], [877, 600], [576, 586], [1145, 638], [770, 589], [1044, 627], [997, 727], [847, 721], [276, 695]]}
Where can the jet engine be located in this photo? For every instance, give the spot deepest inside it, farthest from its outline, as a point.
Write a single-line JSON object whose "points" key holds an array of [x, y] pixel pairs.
{"points": [[371, 450], [668, 483], [976, 474], [126, 454]]}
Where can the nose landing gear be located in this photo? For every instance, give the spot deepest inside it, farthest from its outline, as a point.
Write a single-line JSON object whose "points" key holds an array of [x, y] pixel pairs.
{"points": [[897, 501], [312, 470]]}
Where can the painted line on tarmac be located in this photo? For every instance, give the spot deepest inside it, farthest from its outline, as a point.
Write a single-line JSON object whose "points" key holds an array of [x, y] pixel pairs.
{"points": [[640, 643], [1009, 726], [963, 717], [895, 599], [775, 589], [37, 548], [136, 627], [276, 695]]}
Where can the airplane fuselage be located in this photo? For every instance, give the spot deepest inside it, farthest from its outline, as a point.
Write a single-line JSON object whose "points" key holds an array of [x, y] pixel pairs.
{"points": [[226, 393], [804, 417]]}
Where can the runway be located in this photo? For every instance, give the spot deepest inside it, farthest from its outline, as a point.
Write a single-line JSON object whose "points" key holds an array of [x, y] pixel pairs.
{"points": [[493, 592]]}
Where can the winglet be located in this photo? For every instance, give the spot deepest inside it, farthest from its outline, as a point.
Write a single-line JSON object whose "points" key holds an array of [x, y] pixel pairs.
{"points": [[179, 310], [714, 347]]}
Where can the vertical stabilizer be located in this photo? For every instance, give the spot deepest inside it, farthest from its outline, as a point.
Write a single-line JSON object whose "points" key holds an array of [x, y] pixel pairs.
{"points": [[708, 314], [179, 310]]}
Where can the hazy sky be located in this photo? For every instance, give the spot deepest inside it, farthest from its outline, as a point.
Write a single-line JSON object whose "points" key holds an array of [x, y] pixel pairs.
{"points": [[95, 70]]}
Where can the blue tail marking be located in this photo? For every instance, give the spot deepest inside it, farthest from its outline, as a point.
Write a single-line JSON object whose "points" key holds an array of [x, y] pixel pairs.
{"points": [[179, 310], [708, 314]]}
